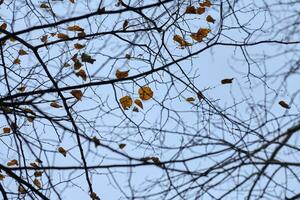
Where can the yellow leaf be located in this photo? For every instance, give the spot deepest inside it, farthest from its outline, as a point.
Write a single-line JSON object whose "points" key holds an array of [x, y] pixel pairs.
{"points": [[22, 52], [210, 19], [17, 61], [75, 28], [190, 10], [21, 189], [145, 93], [122, 146], [43, 5], [227, 81], [2, 177], [38, 173], [126, 102], [82, 74], [6, 130], [37, 183], [55, 105], [79, 46], [284, 104], [121, 74], [12, 162], [62, 151], [190, 99], [139, 103], [77, 94]]}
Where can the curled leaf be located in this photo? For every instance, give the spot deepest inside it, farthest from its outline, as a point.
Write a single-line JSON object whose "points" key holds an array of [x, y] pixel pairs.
{"points": [[37, 183], [6, 130], [201, 34], [82, 74], [200, 10], [284, 104], [145, 93], [87, 58], [135, 109], [181, 41], [206, 3], [21, 189], [62, 36], [75, 28], [55, 105], [190, 10], [79, 46], [12, 163], [122, 146], [227, 81], [125, 24], [22, 52], [77, 94], [190, 99], [44, 5], [2, 177], [121, 74], [210, 19], [126, 102], [38, 173], [139, 103], [62, 151]]}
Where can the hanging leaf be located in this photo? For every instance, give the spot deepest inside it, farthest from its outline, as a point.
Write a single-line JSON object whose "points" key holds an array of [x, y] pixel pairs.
{"points": [[12, 163], [17, 61], [22, 88], [190, 99], [22, 52], [201, 34], [44, 38], [81, 34], [145, 93], [44, 5], [200, 96], [62, 151], [66, 64], [79, 46], [87, 58], [33, 164], [21, 189], [96, 141], [121, 74], [190, 10], [206, 3], [3, 26], [62, 36], [284, 104], [55, 105], [135, 109], [94, 196], [2, 177], [227, 81], [122, 146], [77, 94], [125, 24], [37, 183], [126, 102], [38, 161], [38, 173], [139, 103], [6, 130], [181, 41], [82, 74], [210, 19], [72, 1], [75, 28], [200, 10]]}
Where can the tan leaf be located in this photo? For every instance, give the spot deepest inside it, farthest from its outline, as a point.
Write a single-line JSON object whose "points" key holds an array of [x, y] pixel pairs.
{"points": [[44, 5], [139, 103], [206, 3], [62, 151], [87, 58], [190, 10], [6, 130], [55, 105], [38, 173], [122, 146], [37, 183], [227, 81], [77, 94], [62, 36], [33, 164], [2, 177], [21, 189], [82, 74], [126, 102], [125, 24], [17, 61], [12, 163], [121, 74], [22, 52], [190, 99], [135, 109], [145, 93], [284, 104], [210, 19], [79, 46], [75, 28]]}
